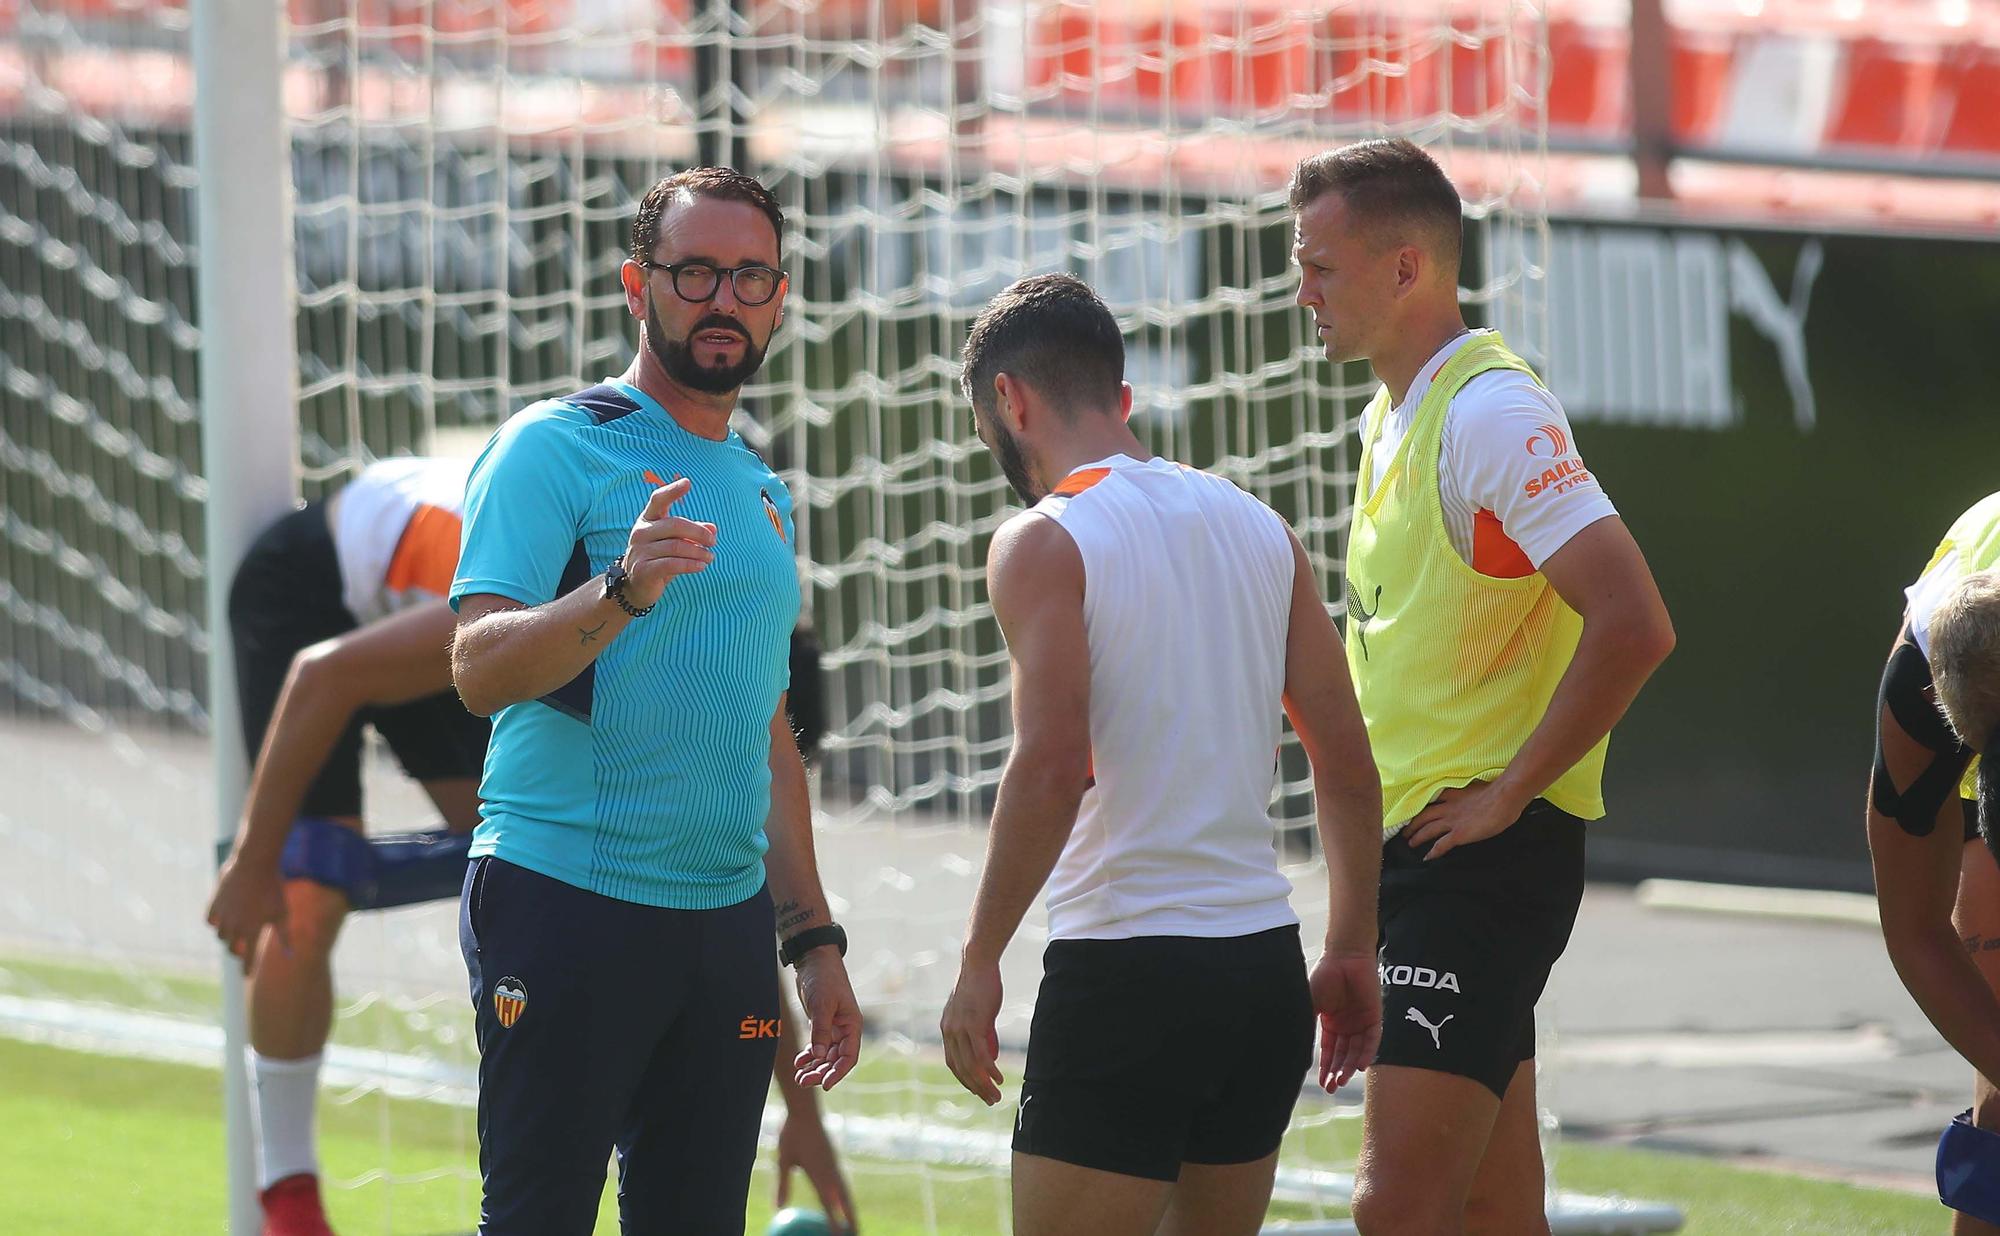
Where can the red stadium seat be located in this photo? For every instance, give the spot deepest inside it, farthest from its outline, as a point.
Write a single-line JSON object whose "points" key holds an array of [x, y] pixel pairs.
{"points": [[1974, 127], [1890, 97], [1384, 69], [1588, 90], [1167, 60], [1259, 59], [1079, 50], [1700, 63], [1479, 73]]}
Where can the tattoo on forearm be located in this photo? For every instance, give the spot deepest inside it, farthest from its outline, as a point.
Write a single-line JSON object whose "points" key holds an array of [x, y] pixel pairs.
{"points": [[589, 634], [791, 915]]}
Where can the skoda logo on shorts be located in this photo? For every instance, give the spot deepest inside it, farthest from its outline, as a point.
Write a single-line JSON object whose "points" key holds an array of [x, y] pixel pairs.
{"points": [[510, 1000]]}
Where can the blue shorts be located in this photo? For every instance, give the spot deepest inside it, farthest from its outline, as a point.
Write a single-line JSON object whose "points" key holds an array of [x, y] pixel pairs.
{"points": [[605, 1024]]}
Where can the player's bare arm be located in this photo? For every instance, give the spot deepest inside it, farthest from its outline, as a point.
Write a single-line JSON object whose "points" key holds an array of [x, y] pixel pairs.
{"points": [[1347, 795], [399, 659], [1034, 575], [1602, 575], [506, 652], [1916, 856], [799, 902]]}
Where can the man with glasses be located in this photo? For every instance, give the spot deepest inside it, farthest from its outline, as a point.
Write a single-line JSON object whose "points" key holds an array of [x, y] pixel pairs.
{"points": [[626, 595]]}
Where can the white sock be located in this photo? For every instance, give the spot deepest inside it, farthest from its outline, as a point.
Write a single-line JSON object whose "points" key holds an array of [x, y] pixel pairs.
{"points": [[283, 1105]]}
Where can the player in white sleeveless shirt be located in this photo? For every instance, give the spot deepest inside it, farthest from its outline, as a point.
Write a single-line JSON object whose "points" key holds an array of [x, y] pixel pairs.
{"points": [[1187, 598], [1160, 621]]}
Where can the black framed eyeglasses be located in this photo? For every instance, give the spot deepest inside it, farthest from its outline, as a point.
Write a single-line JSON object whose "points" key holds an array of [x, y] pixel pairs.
{"points": [[753, 284]]}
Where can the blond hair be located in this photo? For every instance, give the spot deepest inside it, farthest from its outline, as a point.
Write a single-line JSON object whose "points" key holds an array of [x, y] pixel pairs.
{"points": [[1965, 658]]}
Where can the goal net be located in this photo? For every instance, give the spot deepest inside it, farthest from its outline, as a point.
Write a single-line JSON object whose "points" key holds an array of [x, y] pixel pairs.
{"points": [[463, 175]]}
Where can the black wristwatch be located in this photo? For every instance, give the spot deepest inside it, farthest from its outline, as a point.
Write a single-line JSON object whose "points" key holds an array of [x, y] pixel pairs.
{"points": [[811, 938], [614, 587]]}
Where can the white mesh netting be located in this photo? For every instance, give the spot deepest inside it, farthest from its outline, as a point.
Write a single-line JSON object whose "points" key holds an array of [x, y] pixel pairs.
{"points": [[465, 172]]}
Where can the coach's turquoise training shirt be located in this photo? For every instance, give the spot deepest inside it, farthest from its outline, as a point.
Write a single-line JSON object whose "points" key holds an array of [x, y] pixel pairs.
{"points": [[648, 777]]}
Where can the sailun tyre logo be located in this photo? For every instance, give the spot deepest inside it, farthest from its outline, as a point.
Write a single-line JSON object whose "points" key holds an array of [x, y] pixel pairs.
{"points": [[1553, 437], [510, 1000], [1559, 477]]}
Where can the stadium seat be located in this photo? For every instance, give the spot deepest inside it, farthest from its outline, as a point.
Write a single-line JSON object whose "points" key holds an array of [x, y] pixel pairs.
{"points": [[1076, 50], [1588, 93], [1974, 127], [1700, 62], [1257, 60], [1167, 54], [1479, 71], [1890, 95], [1383, 68]]}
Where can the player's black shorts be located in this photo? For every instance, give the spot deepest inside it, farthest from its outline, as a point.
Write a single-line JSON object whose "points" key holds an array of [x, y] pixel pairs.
{"points": [[605, 1023], [1148, 1053], [287, 597], [1467, 943]]}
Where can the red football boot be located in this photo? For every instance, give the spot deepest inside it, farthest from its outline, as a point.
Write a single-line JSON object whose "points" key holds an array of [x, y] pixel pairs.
{"points": [[292, 1208]]}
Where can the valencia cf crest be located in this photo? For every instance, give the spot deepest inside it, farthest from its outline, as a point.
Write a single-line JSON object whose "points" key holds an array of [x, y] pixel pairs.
{"points": [[771, 513], [510, 1000]]}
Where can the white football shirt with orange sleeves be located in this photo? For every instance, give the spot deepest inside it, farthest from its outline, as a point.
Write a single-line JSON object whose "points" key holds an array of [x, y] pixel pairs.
{"points": [[1187, 605], [1510, 477], [396, 532]]}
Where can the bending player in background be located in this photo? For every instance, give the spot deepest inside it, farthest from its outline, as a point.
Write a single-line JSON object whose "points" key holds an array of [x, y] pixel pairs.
{"points": [[1175, 1018], [315, 661], [339, 620], [1500, 621], [1937, 886]]}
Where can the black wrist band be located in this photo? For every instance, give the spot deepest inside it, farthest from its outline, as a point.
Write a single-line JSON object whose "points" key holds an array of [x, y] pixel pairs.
{"points": [[811, 938], [614, 587]]}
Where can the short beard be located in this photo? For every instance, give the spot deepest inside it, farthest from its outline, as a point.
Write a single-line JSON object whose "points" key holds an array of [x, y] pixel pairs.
{"points": [[676, 356], [1014, 464]]}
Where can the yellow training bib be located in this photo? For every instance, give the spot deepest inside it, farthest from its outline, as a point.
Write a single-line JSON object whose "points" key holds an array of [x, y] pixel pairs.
{"points": [[1453, 668]]}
